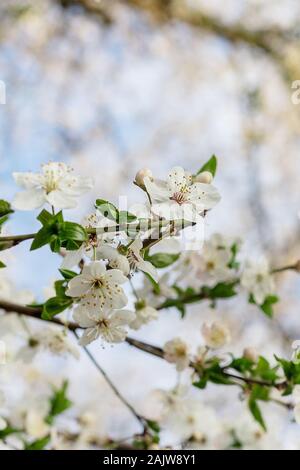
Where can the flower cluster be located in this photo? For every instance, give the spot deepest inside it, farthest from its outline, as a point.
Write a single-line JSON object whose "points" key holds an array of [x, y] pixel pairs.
{"points": [[120, 269]]}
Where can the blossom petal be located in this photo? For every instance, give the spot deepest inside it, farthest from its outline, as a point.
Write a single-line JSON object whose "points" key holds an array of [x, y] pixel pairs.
{"points": [[204, 196], [76, 185], [28, 180], [176, 180], [29, 199], [61, 200], [116, 276], [157, 189], [79, 286], [89, 335], [83, 318], [96, 269], [148, 268]]}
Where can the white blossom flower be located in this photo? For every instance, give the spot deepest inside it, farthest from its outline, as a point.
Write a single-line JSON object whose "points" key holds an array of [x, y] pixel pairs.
{"points": [[211, 264], [55, 185], [144, 314], [179, 198], [54, 340], [215, 258], [215, 335], [35, 424], [115, 259], [176, 352], [98, 287], [257, 280], [110, 325], [136, 261], [92, 221]]}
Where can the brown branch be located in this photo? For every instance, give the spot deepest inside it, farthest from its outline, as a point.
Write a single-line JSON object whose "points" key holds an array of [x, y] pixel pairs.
{"points": [[166, 11], [35, 312]]}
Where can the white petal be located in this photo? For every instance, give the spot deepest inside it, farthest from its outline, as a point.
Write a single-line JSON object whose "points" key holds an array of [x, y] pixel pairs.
{"points": [[76, 185], [157, 189], [61, 200], [29, 199], [176, 179], [82, 317], [89, 335], [79, 286], [72, 258], [205, 196], [122, 317], [28, 180], [97, 269], [169, 210], [136, 245], [116, 276], [148, 268]]}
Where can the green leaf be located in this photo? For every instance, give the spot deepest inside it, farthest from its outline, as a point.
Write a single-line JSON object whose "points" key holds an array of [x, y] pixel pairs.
{"points": [[45, 217], [265, 371], [54, 306], [153, 425], [3, 220], [8, 431], [155, 285], [72, 231], [59, 402], [241, 364], [5, 208], [126, 217], [39, 444], [202, 382], [291, 372], [222, 290], [2, 265], [233, 263], [210, 166], [162, 260], [256, 413], [42, 238], [262, 393], [267, 306], [67, 274], [107, 209]]}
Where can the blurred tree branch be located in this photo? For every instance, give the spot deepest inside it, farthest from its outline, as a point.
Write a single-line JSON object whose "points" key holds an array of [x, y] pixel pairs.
{"points": [[271, 41]]}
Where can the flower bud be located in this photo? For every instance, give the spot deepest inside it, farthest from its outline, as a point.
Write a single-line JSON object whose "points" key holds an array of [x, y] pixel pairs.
{"points": [[251, 354], [215, 335], [141, 175], [204, 177]]}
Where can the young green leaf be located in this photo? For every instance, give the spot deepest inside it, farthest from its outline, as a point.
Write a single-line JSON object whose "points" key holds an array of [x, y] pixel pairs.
{"points": [[54, 306], [210, 166], [162, 260], [5, 208], [67, 274], [38, 444], [256, 413], [107, 209], [59, 402]]}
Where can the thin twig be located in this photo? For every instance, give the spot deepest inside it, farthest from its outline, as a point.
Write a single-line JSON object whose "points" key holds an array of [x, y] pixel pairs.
{"points": [[140, 419]]}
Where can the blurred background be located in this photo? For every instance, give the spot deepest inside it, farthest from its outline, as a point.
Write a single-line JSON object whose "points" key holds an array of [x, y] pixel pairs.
{"points": [[111, 86]]}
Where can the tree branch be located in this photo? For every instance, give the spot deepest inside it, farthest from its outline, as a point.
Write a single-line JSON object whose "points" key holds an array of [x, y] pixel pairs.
{"points": [[165, 11], [148, 348]]}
